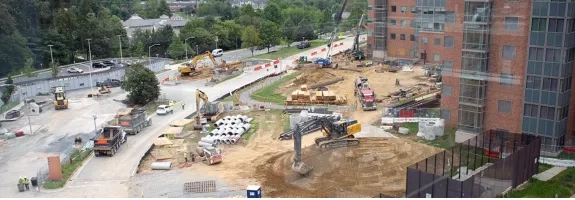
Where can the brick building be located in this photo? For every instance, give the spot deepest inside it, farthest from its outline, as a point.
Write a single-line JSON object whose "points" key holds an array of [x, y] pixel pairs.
{"points": [[507, 64]]}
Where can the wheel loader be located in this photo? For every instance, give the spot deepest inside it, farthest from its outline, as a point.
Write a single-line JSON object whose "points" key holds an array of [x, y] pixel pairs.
{"points": [[209, 155], [60, 100]]}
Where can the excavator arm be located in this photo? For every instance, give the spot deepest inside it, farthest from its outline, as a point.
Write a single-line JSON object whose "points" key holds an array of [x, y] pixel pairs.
{"points": [[200, 96]]}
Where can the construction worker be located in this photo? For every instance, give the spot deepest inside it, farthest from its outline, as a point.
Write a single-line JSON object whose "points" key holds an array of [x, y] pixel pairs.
{"points": [[183, 105], [20, 180], [186, 156], [193, 157], [27, 183]]}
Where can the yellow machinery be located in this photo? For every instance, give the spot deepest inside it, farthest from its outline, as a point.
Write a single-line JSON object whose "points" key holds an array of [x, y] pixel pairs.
{"points": [[338, 134], [60, 101], [209, 110], [189, 68], [104, 90], [231, 67]]}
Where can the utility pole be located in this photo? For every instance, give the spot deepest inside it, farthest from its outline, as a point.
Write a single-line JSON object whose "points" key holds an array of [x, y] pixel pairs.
{"points": [[149, 49], [120, 39], [91, 64], [216, 42], [197, 53], [187, 46], [51, 55]]}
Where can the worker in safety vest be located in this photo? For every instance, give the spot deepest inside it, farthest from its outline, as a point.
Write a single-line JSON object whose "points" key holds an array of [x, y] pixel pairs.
{"points": [[183, 105], [27, 183], [186, 156], [20, 180]]}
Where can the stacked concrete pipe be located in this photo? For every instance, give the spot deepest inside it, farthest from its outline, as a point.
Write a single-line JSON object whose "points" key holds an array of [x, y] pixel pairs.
{"points": [[229, 130]]}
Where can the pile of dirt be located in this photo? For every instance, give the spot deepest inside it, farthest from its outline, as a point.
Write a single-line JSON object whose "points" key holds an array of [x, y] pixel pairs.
{"points": [[378, 165], [309, 77]]}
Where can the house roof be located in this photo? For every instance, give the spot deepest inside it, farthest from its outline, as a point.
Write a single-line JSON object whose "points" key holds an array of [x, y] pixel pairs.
{"points": [[136, 21]]}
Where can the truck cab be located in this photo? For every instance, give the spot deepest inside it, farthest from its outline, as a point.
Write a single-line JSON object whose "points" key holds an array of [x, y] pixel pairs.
{"points": [[368, 100]]}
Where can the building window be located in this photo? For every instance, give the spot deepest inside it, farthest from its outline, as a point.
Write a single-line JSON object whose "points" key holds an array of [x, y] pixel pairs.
{"points": [[436, 57], [424, 40], [448, 41], [393, 22], [444, 114], [437, 41], [556, 25], [511, 23], [403, 9], [509, 52], [412, 37], [446, 90], [553, 55], [447, 66], [547, 113], [504, 106], [393, 9], [533, 82], [402, 36], [450, 17], [549, 84], [506, 79], [539, 24], [536, 54], [403, 23], [413, 9], [530, 110], [392, 36]]}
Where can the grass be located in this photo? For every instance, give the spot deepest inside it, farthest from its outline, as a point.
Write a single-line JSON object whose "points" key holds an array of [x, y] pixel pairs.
{"points": [[562, 185], [7, 107], [253, 129], [267, 93], [566, 156], [446, 141], [290, 51], [544, 167], [68, 170]]}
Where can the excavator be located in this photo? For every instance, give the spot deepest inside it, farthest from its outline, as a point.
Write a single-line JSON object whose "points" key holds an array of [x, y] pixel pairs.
{"points": [[338, 134], [189, 68], [60, 100], [211, 110]]}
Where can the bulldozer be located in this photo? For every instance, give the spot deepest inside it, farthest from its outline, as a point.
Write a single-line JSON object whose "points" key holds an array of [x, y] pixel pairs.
{"points": [[338, 134], [60, 100], [230, 67], [211, 110], [104, 90], [189, 68]]}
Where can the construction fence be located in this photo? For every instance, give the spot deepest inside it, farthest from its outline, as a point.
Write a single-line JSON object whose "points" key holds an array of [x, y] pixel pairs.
{"points": [[485, 166], [411, 113]]}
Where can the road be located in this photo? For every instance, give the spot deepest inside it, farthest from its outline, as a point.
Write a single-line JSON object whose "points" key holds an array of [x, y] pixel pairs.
{"points": [[102, 177]]}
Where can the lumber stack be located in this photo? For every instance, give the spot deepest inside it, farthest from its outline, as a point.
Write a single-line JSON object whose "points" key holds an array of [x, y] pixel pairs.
{"points": [[305, 96]]}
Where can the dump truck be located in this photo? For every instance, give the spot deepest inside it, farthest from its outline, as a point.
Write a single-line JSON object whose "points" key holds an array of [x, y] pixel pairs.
{"points": [[135, 121], [365, 94], [109, 140]]}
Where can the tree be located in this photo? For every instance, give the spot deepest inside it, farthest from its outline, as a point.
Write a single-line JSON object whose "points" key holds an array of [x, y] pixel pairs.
{"points": [[270, 34], [8, 90], [28, 70], [273, 13], [177, 48], [139, 50], [163, 8], [250, 38], [54, 69], [141, 84]]}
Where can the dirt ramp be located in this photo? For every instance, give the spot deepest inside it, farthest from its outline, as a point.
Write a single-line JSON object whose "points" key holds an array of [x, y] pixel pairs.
{"points": [[378, 165]]}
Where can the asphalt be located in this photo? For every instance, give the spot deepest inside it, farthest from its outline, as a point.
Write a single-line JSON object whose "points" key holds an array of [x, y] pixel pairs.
{"points": [[102, 177]]}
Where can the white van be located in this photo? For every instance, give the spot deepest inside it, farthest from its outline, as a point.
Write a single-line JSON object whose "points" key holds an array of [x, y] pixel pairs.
{"points": [[218, 52]]}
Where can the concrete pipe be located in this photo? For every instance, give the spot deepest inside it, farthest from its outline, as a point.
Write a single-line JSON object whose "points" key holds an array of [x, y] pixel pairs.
{"points": [[249, 119], [210, 140], [233, 141], [227, 118], [229, 131], [219, 122], [244, 118], [236, 138], [239, 131], [200, 151], [238, 125], [205, 144], [161, 165], [247, 127]]}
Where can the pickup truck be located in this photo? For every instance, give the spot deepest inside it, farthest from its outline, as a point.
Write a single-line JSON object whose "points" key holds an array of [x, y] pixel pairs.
{"points": [[109, 83], [109, 140], [134, 122]]}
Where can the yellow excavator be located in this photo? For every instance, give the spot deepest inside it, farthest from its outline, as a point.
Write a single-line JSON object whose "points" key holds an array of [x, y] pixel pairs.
{"points": [[338, 134], [189, 68], [60, 100], [209, 110]]}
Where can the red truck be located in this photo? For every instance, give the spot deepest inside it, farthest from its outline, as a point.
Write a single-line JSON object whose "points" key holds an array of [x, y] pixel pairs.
{"points": [[365, 94]]}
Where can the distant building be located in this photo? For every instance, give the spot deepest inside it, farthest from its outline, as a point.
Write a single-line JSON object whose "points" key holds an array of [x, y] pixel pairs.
{"points": [[136, 22], [256, 4], [177, 6]]}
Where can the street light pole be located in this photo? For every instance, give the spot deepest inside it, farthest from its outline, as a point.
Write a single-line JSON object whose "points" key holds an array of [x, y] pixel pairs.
{"points": [[28, 105], [187, 46], [95, 127], [51, 55], [120, 39], [197, 53], [149, 52], [91, 64], [216, 42]]}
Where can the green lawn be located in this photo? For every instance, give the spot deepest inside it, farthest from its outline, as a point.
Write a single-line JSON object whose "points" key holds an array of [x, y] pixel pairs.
{"points": [[267, 93], [446, 141], [563, 184], [68, 170], [253, 129], [290, 51], [544, 167]]}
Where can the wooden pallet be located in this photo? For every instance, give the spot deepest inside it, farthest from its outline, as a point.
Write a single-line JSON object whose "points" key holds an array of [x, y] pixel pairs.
{"points": [[200, 186]]}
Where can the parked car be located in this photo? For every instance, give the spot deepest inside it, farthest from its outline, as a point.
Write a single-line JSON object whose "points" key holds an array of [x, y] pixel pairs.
{"points": [[303, 45], [218, 52], [75, 70], [98, 65], [164, 110], [109, 83], [108, 63], [128, 62]]}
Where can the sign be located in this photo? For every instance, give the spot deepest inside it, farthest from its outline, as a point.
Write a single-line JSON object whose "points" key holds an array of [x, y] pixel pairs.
{"points": [[427, 195], [393, 120]]}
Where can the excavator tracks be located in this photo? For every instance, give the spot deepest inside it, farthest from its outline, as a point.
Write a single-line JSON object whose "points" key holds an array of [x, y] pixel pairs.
{"points": [[332, 144]]}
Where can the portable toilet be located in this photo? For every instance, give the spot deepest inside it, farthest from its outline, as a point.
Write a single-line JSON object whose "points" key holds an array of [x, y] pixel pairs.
{"points": [[254, 191]]}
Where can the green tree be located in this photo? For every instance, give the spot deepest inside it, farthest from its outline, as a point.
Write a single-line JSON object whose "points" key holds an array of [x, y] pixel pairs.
{"points": [[8, 90], [141, 84], [163, 8], [273, 13], [139, 50], [177, 49], [270, 34], [54, 69], [251, 38], [28, 70]]}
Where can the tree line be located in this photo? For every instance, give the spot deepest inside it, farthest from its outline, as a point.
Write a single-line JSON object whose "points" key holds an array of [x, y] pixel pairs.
{"points": [[68, 26]]}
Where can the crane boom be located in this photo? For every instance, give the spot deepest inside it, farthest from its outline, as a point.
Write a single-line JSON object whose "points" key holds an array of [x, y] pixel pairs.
{"points": [[338, 18]]}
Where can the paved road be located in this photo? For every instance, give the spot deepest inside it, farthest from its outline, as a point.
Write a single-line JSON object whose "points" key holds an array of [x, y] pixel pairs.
{"points": [[103, 177]]}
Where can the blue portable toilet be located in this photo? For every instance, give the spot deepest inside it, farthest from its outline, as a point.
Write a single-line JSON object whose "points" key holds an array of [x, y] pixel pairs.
{"points": [[254, 191]]}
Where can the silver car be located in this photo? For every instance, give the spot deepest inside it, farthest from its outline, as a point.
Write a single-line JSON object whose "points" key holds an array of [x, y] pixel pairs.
{"points": [[75, 70]]}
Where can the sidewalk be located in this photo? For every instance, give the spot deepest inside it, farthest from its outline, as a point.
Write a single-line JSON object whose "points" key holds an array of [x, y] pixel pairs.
{"points": [[17, 107], [549, 174]]}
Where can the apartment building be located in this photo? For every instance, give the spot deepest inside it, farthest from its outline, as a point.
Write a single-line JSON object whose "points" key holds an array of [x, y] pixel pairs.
{"points": [[507, 64]]}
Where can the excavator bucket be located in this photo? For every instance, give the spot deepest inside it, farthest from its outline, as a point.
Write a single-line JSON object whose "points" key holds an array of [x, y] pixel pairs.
{"points": [[301, 168]]}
